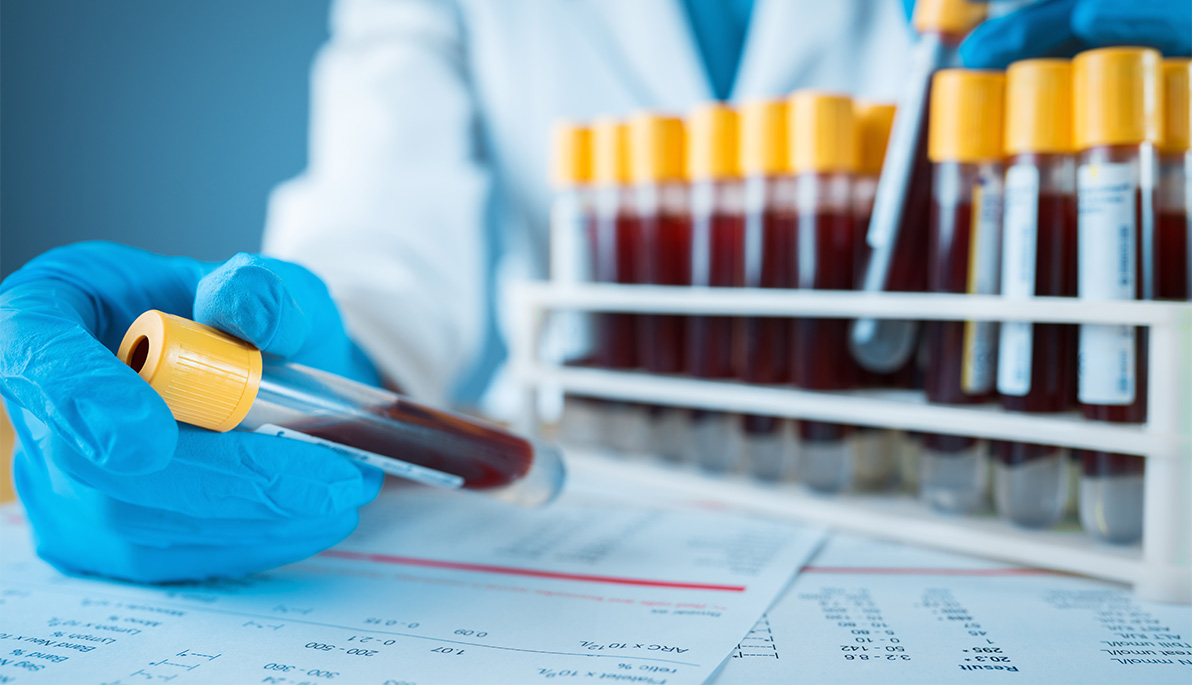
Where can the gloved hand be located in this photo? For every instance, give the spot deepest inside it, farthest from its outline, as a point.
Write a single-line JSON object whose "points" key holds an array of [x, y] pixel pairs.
{"points": [[1062, 28], [111, 483]]}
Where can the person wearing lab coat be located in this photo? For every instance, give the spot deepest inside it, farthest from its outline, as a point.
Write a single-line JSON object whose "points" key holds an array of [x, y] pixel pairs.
{"points": [[430, 126], [424, 198]]}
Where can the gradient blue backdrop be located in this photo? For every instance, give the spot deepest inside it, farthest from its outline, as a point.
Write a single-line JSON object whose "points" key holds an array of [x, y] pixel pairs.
{"points": [[162, 124]]}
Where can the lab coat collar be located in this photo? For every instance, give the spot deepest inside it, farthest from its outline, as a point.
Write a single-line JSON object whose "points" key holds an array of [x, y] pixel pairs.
{"points": [[654, 49]]}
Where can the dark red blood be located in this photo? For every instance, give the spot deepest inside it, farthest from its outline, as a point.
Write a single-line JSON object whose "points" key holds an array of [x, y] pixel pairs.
{"points": [[1107, 464], [665, 260], [1053, 351], [484, 456], [764, 343], [710, 338], [616, 242], [951, 234], [1171, 257]]}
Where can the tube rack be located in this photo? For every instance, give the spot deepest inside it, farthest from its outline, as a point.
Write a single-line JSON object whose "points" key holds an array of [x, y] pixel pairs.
{"points": [[1159, 569]]}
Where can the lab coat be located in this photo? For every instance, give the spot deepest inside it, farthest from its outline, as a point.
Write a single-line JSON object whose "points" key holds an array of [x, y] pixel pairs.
{"points": [[429, 144]]}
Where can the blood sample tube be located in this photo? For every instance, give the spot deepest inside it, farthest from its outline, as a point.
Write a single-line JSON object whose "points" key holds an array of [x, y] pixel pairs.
{"points": [[212, 380], [1037, 362], [1118, 112], [569, 337], [898, 231], [717, 244], [762, 351], [661, 209], [1173, 249], [823, 140], [616, 240], [877, 453], [965, 144]]}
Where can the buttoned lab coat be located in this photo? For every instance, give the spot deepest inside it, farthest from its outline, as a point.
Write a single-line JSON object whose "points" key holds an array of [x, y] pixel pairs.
{"points": [[430, 132]]}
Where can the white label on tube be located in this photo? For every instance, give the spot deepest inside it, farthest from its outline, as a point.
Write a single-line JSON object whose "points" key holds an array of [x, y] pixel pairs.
{"points": [[569, 334], [1106, 268], [391, 466], [1019, 247], [985, 243]]}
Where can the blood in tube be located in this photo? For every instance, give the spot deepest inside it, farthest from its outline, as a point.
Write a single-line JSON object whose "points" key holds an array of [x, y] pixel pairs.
{"points": [[717, 260], [965, 144], [762, 345], [485, 457], [662, 212], [1037, 361], [1118, 107], [823, 157], [710, 338], [616, 242], [1171, 255]]}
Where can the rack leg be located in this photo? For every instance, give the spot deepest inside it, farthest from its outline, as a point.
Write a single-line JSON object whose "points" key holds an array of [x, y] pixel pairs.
{"points": [[1167, 517]]}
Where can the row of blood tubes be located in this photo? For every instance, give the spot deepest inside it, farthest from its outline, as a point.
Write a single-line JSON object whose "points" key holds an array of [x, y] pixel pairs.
{"points": [[1040, 181]]}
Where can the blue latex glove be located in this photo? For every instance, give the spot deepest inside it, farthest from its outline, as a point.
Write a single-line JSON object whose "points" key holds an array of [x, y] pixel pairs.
{"points": [[1062, 28], [111, 483]]}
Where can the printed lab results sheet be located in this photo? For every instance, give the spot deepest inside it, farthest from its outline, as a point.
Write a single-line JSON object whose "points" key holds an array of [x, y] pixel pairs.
{"points": [[866, 611], [433, 588]]}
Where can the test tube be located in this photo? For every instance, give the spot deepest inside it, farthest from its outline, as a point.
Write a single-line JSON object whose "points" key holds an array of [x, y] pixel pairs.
{"points": [[569, 337], [898, 233], [1118, 115], [661, 208], [215, 381], [1037, 362], [823, 141], [717, 244], [763, 344], [617, 241], [965, 144], [1173, 249], [877, 453]]}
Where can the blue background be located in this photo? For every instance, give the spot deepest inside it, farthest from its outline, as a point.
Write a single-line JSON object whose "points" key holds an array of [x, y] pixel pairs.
{"points": [[156, 123]]}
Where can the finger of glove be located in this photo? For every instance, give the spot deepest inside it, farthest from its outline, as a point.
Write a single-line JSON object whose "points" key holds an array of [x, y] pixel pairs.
{"points": [[52, 366], [1164, 25], [241, 475], [1037, 30], [284, 310], [271, 304]]}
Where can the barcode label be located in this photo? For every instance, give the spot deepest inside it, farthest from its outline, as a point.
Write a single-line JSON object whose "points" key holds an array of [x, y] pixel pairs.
{"points": [[1107, 254], [1020, 233]]}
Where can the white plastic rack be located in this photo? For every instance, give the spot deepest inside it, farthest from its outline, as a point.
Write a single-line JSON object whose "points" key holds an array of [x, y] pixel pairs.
{"points": [[1159, 569]]}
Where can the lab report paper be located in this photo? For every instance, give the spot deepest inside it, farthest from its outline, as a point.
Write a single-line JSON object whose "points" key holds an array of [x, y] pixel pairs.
{"points": [[433, 588], [876, 612]]}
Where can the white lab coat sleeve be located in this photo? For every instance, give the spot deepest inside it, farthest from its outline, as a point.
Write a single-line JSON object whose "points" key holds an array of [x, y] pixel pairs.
{"points": [[390, 211]]}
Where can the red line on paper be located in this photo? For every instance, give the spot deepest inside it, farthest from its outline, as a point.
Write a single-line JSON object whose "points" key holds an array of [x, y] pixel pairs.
{"points": [[880, 571], [533, 573]]}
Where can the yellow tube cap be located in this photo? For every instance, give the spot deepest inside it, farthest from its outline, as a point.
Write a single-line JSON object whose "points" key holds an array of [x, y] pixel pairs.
{"points": [[655, 148], [967, 108], [571, 158], [822, 132], [874, 121], [712, 142], [1117, 97], [610, 152], [1177, 119], [953, 17], [763, 141], [1039, 106], [207, 377]]}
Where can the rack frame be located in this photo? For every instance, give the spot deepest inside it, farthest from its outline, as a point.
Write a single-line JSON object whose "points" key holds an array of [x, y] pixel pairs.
{"points": [[1159, 569]]}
